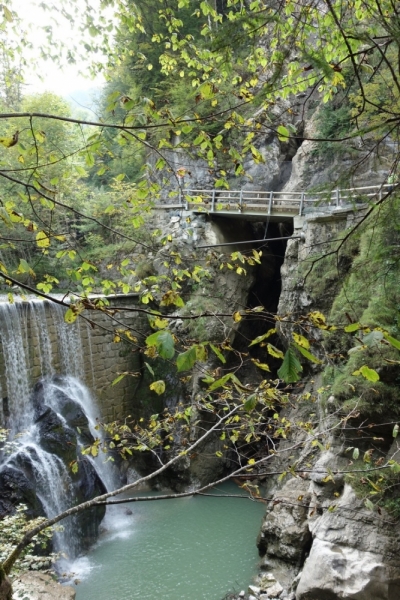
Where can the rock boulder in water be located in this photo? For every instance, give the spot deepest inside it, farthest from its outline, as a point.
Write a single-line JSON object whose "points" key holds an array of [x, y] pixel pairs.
{"points": [[16, 488], [55, 436]]}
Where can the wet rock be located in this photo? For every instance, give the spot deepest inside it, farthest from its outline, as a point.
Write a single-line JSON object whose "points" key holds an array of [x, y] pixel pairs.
{"points": [[55, 436], [40, 586], [67, 407], [15, 488]]}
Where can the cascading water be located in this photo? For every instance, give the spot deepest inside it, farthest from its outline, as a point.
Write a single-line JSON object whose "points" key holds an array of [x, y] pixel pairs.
{"points": [[50, 424]]}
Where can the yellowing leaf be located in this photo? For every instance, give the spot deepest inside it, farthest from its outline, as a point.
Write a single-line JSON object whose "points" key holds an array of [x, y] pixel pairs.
{"points": [[158, 387], [237, 317], [274, 351], [42, 239], [260, 365], [318, 319], [301, 340], [70, 316], [7, 13], [263, 337], [9, 142], [201, 353]]}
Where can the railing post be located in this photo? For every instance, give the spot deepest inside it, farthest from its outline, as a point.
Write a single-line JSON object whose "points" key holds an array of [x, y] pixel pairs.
{"points": [[301, 204], [180, 195], [241, 201], [213, 201], [271, 194], [186, 201], [337, 196]]}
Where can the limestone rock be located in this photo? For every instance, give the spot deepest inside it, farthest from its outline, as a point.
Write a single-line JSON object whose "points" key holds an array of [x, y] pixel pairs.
{"points": [[284, 532], [338, 571], [40, 586], [275, 590]]}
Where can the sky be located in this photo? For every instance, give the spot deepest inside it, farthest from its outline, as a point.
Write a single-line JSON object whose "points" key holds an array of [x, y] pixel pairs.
{"points": [[45, 75]]}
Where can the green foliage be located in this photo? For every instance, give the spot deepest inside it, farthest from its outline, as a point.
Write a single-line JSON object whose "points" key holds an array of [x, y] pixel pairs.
{"points": [[333, 121], [366, 376], [291, 368], [11, 529]]}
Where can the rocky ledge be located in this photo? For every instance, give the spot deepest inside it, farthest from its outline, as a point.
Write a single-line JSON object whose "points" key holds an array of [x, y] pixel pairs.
{"points": [[40, 586]]}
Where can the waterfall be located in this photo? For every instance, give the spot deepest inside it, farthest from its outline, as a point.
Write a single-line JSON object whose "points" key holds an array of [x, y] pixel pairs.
{"points": [[51, 416], [16, 405]]}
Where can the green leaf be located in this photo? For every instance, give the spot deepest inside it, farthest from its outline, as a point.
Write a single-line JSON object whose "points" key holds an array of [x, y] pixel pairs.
{"points": [[373, 338], [250, 403], [290, 368], [395, 430], [24, 267], [118, 379], [220, 382], [158, 387], [308, 354], [164, 342], [186, 360], [369, 504], [369, 374], [395, 343], [283, 133], [81, 171], [356, 453], [352, 327], [218, 353]]}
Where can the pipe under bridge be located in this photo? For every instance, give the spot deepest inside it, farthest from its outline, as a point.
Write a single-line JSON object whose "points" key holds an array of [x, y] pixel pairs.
{"points": [[274, 206]]}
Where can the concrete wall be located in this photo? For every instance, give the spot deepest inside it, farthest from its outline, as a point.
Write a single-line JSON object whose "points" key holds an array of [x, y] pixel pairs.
{"points": [[36, 342]]}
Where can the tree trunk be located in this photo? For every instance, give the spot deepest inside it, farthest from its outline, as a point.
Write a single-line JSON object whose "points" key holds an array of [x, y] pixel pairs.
{"points": [[5, 587]]}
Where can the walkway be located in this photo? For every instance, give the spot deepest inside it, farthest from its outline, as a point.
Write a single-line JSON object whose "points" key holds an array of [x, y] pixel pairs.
{"points": [[278, 206]]}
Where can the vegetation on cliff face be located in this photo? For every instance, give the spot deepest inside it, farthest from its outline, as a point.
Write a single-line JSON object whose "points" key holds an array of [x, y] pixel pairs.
{"points": [[208, 79]]}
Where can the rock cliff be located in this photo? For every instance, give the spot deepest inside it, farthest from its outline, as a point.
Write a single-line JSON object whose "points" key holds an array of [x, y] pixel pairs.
{"points": [[321, 538]]}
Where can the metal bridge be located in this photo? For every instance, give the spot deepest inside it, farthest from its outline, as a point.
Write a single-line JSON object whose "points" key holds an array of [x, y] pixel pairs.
{"points": [[276, 206]]}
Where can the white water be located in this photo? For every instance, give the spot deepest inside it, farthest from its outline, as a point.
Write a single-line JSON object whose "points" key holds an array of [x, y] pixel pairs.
{"points": [[18, 352], [16, 366], [23, 324]]}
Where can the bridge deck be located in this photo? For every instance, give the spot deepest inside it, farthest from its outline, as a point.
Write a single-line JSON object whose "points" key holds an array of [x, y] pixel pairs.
{"points": [[256, 205]]}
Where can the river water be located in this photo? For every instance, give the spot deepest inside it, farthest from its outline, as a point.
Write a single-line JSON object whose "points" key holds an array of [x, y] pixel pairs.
{"points": [[197, 548]]}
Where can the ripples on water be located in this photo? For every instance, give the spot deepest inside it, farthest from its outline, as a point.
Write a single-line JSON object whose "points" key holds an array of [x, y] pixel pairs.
{"points": [[190, 549]]}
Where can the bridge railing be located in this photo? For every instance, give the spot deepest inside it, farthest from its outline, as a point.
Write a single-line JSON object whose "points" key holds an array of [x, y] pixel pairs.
{"points": [[271, 202]]}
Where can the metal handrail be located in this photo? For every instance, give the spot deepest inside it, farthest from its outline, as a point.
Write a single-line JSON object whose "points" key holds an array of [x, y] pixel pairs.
{"points": [[217, 200]]}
